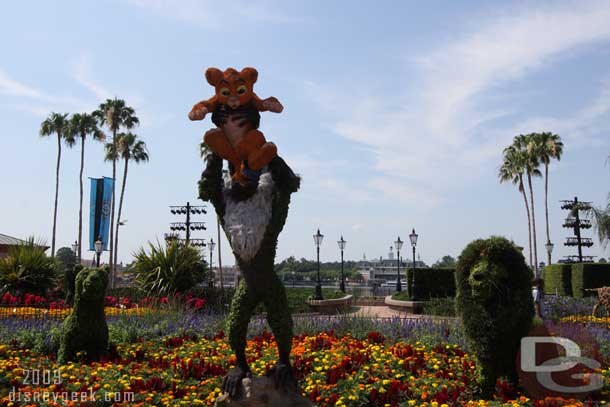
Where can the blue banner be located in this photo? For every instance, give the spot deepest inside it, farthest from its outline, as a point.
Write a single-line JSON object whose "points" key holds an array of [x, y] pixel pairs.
{"points": [[99, 213]]}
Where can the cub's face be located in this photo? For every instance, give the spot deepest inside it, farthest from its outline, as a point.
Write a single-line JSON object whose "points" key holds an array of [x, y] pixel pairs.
{"points": [[233, 88]]}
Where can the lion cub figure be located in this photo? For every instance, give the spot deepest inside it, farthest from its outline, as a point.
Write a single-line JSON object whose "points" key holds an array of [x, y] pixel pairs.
{"points": [[235, 109], [85, 329]]}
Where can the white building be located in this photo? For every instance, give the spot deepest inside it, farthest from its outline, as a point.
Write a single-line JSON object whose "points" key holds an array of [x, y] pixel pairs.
{"points": [[383, 270]]}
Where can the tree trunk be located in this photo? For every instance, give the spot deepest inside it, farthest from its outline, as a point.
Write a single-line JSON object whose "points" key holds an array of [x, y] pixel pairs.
{"points": [[546, 207], [118, 219], [111, 253], [56, 194], [529, 220], [529, 181], [80, 208]]}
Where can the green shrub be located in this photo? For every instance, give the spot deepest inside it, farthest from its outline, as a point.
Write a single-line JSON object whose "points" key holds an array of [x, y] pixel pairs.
{"points": [[166, 270], [558, 278], [432, 282], [442, 307], [495, 305], [27, 269], [85, 329], [589, 275]]}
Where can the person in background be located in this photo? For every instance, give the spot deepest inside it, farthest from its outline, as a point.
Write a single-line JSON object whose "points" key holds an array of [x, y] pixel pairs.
{"points": [[538, 294]]}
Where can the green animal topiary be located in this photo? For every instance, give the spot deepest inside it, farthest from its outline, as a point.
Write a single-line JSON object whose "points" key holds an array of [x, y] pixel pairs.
{"points": [[85, 329], [495, 306], [252, 218]]}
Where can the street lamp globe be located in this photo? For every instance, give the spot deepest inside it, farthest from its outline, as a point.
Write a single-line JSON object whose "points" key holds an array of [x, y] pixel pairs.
{"points": [[98, 244], [317, 238], [413, 237], [549, 247], [341, 243], [75, 247], [398, 244], [212, 245]]}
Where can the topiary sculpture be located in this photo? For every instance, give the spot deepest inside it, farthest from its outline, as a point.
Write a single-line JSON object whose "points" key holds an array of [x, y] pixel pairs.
{"points": [[252, 218], [495, 305], [85, 329]]}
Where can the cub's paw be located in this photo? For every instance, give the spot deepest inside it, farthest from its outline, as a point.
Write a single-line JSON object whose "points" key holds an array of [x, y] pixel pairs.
{"points": [[198, 114], [273, 105]]}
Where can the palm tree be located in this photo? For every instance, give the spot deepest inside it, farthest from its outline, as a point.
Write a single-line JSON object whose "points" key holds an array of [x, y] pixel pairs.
{"points": [[601, 217], [525, 145], [81, 125], [129, 148], [115, 114], [548, 146], [56, 123], [512, 170]]}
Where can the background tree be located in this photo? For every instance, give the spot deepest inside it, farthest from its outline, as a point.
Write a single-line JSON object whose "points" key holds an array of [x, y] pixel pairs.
{"points": [[548, 146], [27, 269], [56, 123], [446, 261], [525, 145], [114, 114], [129, 148], [601, 219], [167, 270], [82, 125], [512, 170]]}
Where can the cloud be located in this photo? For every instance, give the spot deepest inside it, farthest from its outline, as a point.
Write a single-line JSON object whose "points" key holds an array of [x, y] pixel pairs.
{"points": [[442, 131], [212, 15], [11, 87], [84, 76]]}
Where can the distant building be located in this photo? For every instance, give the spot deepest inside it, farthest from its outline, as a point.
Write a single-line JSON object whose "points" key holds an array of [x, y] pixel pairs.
{"points": [[230, 276], [8, 242], [383, 270]]}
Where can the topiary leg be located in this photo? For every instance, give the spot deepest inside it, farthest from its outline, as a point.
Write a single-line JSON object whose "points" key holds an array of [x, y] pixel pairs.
{"points": [[279, 318], [242, 306]]}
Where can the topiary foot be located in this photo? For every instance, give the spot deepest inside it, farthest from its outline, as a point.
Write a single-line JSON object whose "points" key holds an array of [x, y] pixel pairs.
{"points": [[231, 383], [283, 377]]}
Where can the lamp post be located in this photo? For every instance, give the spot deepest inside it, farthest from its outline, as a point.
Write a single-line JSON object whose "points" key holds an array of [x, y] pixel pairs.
{"points": [[398, 245], [342, 243], [317, 238], [413, 238], [549, 250], [99, 247], [75, 251], [212, 247]]}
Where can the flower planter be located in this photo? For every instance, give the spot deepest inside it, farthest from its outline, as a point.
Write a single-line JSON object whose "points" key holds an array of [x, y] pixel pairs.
{"points": [[333, 306], [410, 307]]}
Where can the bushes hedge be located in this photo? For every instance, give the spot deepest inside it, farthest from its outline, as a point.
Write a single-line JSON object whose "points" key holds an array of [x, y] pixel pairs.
{"points": [[571, 279], [589, 275], [432, 282], [558, 279]]}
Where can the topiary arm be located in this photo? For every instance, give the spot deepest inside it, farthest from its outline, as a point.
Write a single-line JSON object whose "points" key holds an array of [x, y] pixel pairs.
{"points": [[211, 184]]}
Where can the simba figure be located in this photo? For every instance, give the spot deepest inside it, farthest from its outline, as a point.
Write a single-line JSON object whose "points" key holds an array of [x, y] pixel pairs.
{"points": [[235, 110]]}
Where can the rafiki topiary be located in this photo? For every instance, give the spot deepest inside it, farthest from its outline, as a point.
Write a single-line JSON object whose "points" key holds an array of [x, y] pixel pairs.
{"points": [[252, 218], [495, 306], [85, 329]]}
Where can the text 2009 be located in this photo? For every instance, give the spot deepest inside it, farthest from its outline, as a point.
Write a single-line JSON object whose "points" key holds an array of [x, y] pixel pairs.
{"points": [[42, 376]]}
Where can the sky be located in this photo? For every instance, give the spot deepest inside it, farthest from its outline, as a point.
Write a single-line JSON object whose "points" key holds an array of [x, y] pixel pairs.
{"points": [[395, 113]]}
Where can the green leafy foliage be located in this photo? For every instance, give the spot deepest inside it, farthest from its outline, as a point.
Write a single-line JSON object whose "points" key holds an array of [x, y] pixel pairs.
{"points": [[558, 279], [589, 275], [495, 306], [166, 270], [27, 269], [432, 282], [85, 329]]}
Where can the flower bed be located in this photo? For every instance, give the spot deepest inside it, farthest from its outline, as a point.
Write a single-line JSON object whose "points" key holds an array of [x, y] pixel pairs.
{"points": [[332, 371]]}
